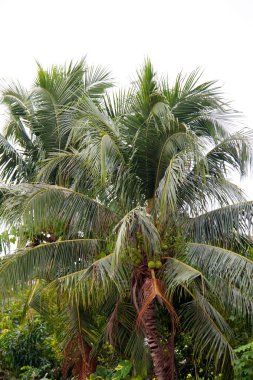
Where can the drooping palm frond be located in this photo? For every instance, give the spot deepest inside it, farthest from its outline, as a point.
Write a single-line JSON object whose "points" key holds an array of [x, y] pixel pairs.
{"points": [[119, 329], [70, 169], [210, 299], [233, 152], [40, 207], [75, 330], [93, 285], [177, 141], [221, 224], [46, 261], [67, 319], [177, 273], [96, 81], [137, 350], [19, 106], [77, 360], [219, 262], [206, 183], [13, 166], [234, 301], [136, 221], [211, 335], [182, 280], [198, 194], [167, 191]]}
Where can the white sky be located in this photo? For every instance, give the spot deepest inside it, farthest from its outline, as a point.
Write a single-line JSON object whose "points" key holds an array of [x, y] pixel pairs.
{"points": [[176, 34]]}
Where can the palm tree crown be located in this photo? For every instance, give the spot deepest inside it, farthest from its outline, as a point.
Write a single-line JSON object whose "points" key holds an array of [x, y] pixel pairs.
{"points": [[40, 120]]}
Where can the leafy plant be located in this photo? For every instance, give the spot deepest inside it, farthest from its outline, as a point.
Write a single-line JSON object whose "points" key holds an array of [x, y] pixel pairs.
{"points": [[32, 373], [244, 364], [25, 342], [120, 372], [8, 240]]}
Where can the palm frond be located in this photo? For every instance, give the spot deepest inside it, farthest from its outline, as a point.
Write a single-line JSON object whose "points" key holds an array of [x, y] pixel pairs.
{"points": [[12, 164], [136, 221], [70, 169], [41, 207], [64, 83], [93, 285], [234, 301], [46, 261], [119, 104], [199, 193], [176, 273], [232, 152], [19, 106], [211, 336], [219, 262], [175, 175], [97, 80], [221, 224]]}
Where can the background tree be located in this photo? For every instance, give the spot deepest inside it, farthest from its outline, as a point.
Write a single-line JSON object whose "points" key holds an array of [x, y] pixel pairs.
{"points": [[40, 121]]}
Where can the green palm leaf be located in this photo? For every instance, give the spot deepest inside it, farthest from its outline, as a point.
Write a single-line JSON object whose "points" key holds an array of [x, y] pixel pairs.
{"points": [[41, 207], [211, 334], [46, 261], [12, 164], [219, 262], [93, 285], [220, 224]]}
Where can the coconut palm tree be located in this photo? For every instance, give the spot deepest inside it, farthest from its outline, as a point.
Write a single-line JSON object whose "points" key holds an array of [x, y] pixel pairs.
{"points": [[148, 231], [39, 121]]}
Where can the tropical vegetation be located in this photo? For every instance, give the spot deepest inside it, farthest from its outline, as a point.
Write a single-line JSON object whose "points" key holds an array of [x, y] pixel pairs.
{"points": [[129, 234]]}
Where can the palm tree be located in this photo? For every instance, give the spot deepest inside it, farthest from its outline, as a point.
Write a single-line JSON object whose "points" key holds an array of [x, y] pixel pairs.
{"points": [[147, 226], [39, 121]]}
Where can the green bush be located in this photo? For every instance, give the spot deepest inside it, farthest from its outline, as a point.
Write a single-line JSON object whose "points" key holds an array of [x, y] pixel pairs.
{"points": [[244, 364], [28, 344], [25, 345], [120, 372]]}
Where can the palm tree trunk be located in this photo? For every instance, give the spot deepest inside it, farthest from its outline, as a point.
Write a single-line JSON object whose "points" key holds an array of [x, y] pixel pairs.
{"points": [[89, 363], [163, 362], [156, 350], [77, 360]]}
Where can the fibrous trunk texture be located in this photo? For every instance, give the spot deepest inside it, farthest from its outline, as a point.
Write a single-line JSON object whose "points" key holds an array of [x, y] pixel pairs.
{"points": [[156, 351], [77, 361], [145, 291]]}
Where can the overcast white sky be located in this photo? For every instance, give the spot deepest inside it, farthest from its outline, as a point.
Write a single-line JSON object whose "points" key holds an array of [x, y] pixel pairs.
{"points": [[176, 34]]}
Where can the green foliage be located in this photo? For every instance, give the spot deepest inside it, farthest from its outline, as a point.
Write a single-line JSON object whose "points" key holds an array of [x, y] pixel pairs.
{"points": [[243, 365], [188, 366], [120, 372], [30, 373], [8, 240], [25, 342], [28, 344]]}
